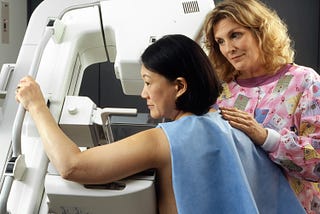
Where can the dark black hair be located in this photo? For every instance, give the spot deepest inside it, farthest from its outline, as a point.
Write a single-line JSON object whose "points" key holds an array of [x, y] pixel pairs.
{"points": [[174, 56]]}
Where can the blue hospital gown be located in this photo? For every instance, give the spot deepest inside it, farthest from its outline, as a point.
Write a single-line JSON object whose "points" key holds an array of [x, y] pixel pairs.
{"points": [[217, 169]]}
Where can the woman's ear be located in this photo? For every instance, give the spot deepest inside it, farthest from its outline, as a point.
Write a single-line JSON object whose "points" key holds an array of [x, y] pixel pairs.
{"points": [[181, 86]]}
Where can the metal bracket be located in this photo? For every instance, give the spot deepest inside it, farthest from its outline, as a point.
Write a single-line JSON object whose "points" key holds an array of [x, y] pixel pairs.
{"points": [[106, 122]]}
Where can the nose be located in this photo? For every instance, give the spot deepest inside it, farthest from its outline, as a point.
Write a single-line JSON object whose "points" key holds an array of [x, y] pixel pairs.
{"points": [[144, 93], [228, 48]]}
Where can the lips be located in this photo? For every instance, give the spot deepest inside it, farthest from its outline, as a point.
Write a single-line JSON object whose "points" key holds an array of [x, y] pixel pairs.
{"points": [[236, 57]]}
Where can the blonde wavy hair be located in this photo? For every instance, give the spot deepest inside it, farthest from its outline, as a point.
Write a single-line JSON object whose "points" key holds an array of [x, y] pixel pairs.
{"points": [[270, 31]]}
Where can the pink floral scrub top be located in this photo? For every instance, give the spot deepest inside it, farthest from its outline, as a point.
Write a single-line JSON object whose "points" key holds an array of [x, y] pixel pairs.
{"points": [[288, 105]]}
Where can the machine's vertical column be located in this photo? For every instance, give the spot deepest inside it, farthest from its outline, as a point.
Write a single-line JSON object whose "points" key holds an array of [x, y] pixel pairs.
{"points": [[4, 22]]}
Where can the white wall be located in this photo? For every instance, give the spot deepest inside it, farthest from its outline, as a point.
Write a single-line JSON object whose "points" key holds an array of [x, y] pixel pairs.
{"points": [[8, 54], [17, 26]]}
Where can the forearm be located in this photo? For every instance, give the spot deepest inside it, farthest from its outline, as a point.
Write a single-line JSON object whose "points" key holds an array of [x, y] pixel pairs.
{"points": [[297, 156], [59, 148]]}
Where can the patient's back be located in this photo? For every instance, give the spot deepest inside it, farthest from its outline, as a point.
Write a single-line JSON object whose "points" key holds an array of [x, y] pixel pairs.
{"points": [[217, 167]]}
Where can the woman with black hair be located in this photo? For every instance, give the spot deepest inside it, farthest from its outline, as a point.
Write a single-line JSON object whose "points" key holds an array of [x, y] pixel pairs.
{"points": [[203, 165]]}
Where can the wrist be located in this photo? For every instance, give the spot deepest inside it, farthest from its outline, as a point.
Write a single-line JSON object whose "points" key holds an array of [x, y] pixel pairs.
{"points": [[37, 108], [271, 141]]}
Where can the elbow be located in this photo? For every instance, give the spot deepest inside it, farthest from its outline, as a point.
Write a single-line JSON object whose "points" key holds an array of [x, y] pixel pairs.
{"points": [[75, 174], [68, 173], [68, 169]]}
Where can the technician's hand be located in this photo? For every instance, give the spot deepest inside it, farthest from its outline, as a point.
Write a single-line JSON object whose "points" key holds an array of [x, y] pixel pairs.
{"points": [[246, 123], [28, 93]]}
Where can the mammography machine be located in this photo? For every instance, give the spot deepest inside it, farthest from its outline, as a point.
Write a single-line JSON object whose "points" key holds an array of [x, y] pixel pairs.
{"points": [[62, 39]]}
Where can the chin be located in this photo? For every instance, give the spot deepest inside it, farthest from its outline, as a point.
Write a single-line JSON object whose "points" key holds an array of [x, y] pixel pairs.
{"points": [[154, 116]]}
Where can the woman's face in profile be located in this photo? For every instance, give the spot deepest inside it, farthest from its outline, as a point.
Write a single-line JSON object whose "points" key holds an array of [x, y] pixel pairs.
{"points": [[159, 93]]}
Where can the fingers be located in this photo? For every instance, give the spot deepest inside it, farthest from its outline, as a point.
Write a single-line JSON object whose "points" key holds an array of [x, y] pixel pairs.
{"points": [[19, 86], [234, 114], [17, 89], [237, 118], [23, 84], [230, 110], [245, 122], [28, 93], [25, 81]]}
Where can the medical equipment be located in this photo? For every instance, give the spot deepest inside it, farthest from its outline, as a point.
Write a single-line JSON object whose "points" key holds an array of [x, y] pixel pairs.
{"points": [[61, 40]]}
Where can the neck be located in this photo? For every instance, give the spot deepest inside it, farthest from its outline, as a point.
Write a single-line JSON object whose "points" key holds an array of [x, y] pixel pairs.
{"points": [[181, 114], [256, 73]]}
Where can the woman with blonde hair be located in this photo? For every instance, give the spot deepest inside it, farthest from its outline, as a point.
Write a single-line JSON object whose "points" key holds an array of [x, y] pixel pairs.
{"points": [[202, 164], [266, 95]]}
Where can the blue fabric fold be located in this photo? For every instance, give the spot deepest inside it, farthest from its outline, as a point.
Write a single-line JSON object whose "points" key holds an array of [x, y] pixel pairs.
{"points": [[217, 169]]}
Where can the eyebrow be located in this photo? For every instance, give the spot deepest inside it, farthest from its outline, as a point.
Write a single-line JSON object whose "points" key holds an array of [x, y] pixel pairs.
{"points": [[230, 31], [146, 75]]}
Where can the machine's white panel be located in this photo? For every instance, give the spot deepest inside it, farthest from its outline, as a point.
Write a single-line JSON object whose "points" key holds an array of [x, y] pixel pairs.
{"points": [[59, 73], [129, 27], [70, 197], [141, 23]]}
